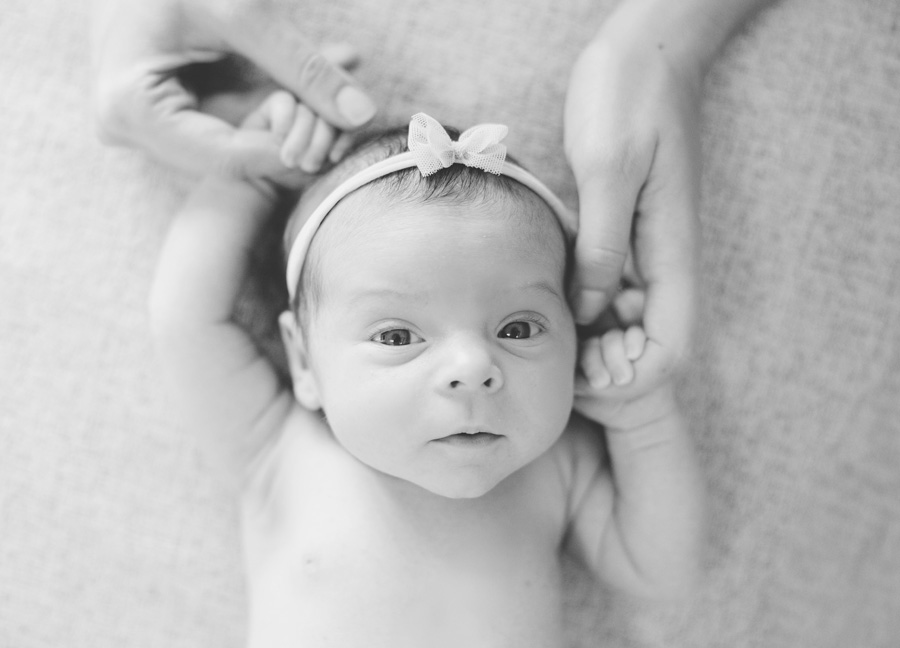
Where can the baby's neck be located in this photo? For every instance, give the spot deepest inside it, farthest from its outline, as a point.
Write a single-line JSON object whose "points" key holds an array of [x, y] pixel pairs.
{"points": [[409, 504]]}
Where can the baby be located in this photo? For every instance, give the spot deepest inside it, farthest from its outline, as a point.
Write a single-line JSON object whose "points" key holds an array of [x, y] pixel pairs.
{"points": [[420, 480]]}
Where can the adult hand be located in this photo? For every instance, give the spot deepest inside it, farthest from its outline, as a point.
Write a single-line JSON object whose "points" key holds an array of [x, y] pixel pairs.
{"points": [[142, 48], [632, 140]]}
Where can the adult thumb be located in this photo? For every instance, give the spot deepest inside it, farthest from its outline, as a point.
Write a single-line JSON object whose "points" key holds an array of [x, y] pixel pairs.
{"points": [[200, 143], [607, 199], [275, 44]]}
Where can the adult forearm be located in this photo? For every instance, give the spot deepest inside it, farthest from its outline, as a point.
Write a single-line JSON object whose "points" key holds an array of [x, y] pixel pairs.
{"points": [[691, 31]]}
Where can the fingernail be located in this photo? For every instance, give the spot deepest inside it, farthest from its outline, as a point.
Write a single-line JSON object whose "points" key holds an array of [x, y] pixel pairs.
{"points": [[633, 349], [336, 155], [635, 339], [600, 381], [309, 166], [588, 305], [355, 105]]}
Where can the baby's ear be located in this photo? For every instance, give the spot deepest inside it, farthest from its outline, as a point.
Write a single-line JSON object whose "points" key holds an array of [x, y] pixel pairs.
{"points": [[306, 391]]}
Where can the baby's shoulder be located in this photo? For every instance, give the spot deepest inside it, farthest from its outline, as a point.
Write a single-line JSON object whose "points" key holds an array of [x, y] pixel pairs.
{"points": [[300, 445]]}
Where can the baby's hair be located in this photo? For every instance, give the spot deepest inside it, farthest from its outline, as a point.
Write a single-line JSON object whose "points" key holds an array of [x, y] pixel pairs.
{"points": [[456, 184]]}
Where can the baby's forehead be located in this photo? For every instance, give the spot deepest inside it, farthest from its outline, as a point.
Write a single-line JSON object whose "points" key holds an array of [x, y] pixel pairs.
{"points": [[518, 215], [369, 231], [371, 234]]}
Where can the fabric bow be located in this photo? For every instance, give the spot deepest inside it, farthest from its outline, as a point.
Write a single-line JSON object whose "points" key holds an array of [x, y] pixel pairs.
{"points": [[477, 147]]}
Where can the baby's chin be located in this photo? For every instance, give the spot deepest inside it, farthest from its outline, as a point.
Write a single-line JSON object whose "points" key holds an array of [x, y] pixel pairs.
{"points": [[461, 491], [460, 486]]}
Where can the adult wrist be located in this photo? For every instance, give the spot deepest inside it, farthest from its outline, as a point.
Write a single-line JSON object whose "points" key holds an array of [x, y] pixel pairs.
{"points": [[688, 33]]}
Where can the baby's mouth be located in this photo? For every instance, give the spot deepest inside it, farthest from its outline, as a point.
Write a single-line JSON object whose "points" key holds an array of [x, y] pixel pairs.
{"points": [[471, 438]]}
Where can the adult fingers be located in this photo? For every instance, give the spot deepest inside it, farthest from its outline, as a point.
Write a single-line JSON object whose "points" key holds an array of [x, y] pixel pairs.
{"points": [[665, 259], [340, 53], [139, 100], [666, 241], [178, 134], [608, 188], [274, 43], [664, 238]]}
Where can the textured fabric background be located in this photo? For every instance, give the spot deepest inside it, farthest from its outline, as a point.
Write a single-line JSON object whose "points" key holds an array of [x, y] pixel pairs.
{"points": [[112, 532]]}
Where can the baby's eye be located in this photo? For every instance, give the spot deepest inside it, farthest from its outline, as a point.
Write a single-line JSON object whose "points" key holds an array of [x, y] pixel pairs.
{"points": [[519, 330], [395, 337]]}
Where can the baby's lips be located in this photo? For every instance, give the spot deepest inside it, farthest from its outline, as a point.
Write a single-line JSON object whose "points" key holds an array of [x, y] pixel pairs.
{"points": [[473, 429], [469, 430]]}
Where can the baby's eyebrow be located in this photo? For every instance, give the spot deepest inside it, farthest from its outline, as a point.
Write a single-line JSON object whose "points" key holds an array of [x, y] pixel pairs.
{"points": [[544, 287], [381, 294]]}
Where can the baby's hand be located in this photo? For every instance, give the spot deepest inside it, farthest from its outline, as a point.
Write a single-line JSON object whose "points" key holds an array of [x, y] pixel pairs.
{"points": [[606, 389], [608, 359], [307, 141]]}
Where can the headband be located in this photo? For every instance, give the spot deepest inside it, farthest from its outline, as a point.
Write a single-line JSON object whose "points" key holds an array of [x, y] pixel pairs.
{"points": [[430, 149]]}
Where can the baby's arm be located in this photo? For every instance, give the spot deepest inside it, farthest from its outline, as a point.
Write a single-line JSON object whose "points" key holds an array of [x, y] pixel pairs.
{"points": [[224, 387], [639, 523]]}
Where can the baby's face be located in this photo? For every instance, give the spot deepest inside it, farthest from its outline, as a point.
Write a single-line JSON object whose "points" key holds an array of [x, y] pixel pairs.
{"points": [[442, 347]]}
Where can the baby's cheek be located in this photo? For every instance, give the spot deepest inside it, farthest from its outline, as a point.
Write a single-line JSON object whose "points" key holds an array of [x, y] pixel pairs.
{"points": [[551, 394], [560, 396], [365, 418], [563, 376]]}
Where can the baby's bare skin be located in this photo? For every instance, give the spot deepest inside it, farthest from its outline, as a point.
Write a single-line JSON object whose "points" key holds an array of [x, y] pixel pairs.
{"points": [[339, 554], [439, 321]]}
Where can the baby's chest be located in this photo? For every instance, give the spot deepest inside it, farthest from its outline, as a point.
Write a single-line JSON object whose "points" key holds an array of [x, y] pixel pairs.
{"points": [[345, 562]]}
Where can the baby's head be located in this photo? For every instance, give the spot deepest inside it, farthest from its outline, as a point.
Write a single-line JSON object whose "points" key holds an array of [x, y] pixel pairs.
{"points": [[429, 319]]}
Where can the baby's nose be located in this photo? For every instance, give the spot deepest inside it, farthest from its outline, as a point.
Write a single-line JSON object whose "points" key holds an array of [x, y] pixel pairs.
{"points": [[470, 368], [490, 384]]}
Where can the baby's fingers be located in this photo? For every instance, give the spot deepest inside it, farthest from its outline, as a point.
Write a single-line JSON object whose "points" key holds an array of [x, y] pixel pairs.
{"points": [[275, 114], [608, 360], [311, 141], [323, 139], [629, 306], [635, 341], [340, 148], [615, 358], [281, 113], [298, 137], [592, 364]]}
